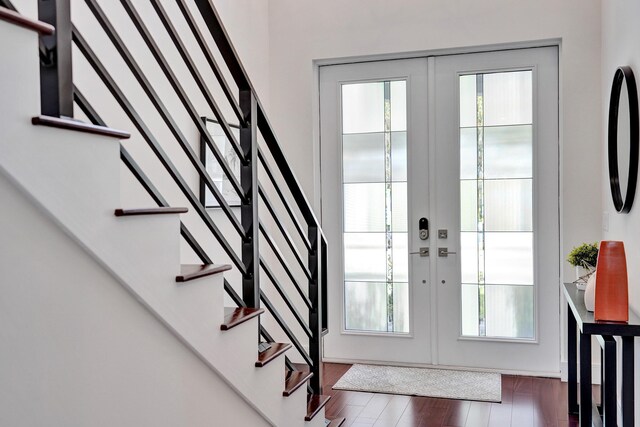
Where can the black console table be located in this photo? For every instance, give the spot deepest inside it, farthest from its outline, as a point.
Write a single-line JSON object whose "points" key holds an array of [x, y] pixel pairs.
{"points": [[579, 317]]}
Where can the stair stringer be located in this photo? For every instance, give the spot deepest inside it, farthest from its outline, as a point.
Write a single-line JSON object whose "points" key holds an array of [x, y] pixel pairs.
{"points": [[77, 350], [74, 178]]}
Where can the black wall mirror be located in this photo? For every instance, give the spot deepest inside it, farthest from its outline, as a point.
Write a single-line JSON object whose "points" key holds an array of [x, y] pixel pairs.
{"points": [[623, 139]]}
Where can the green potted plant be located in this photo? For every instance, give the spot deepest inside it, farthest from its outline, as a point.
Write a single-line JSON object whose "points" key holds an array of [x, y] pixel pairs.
{"points": [[584, 258]]}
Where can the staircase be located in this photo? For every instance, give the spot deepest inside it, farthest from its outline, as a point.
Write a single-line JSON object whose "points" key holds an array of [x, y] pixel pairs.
{"points": [[71, 170]]}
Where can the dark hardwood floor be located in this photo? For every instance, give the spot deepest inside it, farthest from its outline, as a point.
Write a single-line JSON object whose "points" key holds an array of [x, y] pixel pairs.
{"points": [[526, 402]]}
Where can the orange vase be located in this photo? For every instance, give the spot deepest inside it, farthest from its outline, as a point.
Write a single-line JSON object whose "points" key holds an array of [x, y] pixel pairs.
{"points": [[612, 295]]}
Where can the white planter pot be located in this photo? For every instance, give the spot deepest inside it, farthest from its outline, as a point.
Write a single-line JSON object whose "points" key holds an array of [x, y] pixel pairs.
{"points": [[590, 293]]}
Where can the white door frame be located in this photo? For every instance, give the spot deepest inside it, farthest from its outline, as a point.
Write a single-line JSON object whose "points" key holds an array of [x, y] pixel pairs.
{"points": [[317, 184]]}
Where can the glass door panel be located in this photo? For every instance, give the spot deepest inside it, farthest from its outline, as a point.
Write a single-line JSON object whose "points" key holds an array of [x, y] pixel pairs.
{"points": [[374, 200], [496, 204]]}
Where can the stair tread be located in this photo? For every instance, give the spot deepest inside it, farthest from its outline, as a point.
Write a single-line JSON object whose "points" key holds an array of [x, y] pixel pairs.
{"points": [[195, 271], [314, 404], [276, 349], [80, 126], [234, 316], [337, 422], [294, 380], [150, 211]]}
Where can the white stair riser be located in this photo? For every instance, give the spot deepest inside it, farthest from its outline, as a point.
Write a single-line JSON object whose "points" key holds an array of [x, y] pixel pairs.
{"points": [[19, 65]]}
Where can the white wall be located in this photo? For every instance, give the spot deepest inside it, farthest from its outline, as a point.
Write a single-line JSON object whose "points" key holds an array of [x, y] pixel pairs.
{"points": [[78, 349], [620, 35], [248, 26], [337, 29]]}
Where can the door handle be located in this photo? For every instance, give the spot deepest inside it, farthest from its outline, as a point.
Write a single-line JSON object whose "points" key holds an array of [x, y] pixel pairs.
{"points": [[444, 252], [424, 251]]}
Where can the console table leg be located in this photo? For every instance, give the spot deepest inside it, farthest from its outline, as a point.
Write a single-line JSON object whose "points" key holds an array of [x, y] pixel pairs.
{"points": [[572, 362], [585, 380], [609, 386], [627, 381]]}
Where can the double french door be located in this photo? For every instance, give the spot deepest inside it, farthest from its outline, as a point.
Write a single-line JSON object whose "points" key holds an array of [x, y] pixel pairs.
{"points": [[440, 199]]}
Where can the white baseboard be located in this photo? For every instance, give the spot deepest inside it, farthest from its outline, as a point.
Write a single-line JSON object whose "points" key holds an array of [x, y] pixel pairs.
{"points": [[595, 372]]}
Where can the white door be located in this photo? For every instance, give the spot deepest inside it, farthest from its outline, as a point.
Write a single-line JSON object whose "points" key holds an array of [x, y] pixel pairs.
{"points": [[495, 127], [481, 164], [374, 175]]}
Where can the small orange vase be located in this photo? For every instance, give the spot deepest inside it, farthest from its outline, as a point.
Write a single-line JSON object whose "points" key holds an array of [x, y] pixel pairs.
{"points": [[612, 290]]}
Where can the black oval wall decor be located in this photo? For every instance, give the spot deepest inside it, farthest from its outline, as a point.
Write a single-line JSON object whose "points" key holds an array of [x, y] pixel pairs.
{"points": [[623, 74]]}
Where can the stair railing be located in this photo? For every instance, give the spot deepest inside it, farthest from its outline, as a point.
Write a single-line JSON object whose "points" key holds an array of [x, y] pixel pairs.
{"points": [[59, 94]]}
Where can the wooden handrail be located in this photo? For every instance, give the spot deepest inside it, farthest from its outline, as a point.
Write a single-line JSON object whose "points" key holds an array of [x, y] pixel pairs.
{"points": [[20, 20]]}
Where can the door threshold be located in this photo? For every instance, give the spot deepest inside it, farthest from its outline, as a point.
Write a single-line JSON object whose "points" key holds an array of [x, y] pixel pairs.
{"points": [[542, 374]]}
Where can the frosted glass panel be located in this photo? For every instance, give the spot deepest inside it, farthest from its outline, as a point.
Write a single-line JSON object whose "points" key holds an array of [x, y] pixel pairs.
{"points": [[365, 256], [470, 311], [469, 257], [509, 311], [508, 98], [468, 97], [398, 105], [363, 157], [469, 153], [508, 205], [363, 107], [364, 207], [508, 152], [375, 207], [401, 308], [398, 156], [366, 306], [509, 258], [399, 206], [400, 257], [469, 205]]}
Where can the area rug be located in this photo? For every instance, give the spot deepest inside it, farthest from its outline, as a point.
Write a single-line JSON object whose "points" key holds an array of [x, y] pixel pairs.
{"points": [[429, 382]]}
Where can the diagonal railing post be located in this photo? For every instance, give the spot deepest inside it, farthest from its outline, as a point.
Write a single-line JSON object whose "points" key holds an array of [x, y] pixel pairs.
{"points": [[56, 81], [249, 207], [315, 313]]}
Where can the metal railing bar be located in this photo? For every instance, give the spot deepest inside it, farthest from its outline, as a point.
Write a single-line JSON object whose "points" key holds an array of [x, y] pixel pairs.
{"points": [[268, 338], [211, 60], [285, 297], [324, 282], [278, 318], [140, 77], [284, 264], [8, 5], [222, 39], [181, 93], [294, 218], [126, 158], [283, 165], [315, 315], [200, 81], [283, 230], [241, 77], [142, 178], [194, 245], [154, 145], [231, 125], [233, 294]]}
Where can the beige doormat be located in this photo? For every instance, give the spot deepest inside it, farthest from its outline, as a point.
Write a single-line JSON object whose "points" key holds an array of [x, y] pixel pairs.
{"points": [[429, 382]]}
